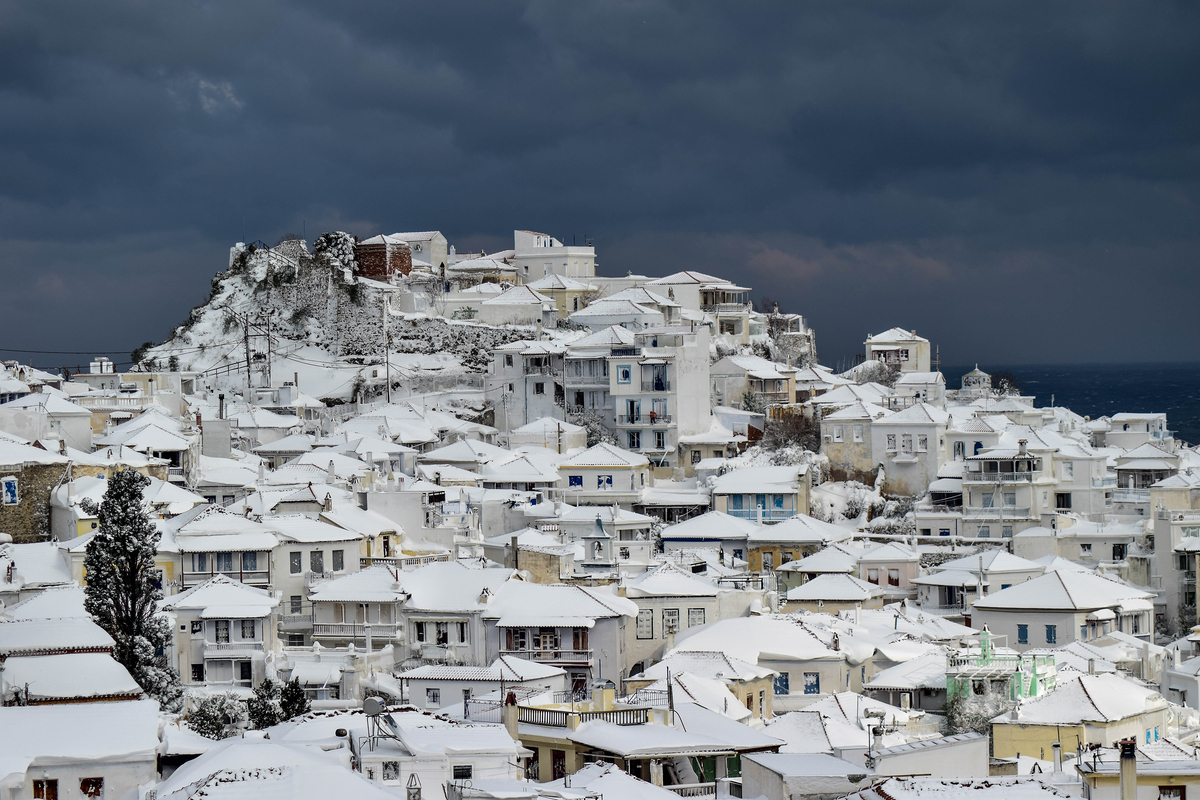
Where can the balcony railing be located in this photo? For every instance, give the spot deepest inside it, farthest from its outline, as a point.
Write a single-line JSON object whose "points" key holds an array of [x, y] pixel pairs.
{"points": [[540, 369], [1103, 483], [176, 474], [404, 562], [656, 385], [693, 789], [768, 514], [295, 621], [997, 512], [725, 308], [1178, 516], [998, 477], [233, 647], [311, 578], [643, 419], [573, 656], [253, 578], [1131, 496], [354, 630], [559, 718]]}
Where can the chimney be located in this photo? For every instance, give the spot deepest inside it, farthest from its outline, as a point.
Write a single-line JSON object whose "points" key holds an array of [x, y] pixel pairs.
{"points": [[508, 713], [1091, 666], [877, 738], [1128, 769], [1022, 448], [221, 406], [1057, 758]]}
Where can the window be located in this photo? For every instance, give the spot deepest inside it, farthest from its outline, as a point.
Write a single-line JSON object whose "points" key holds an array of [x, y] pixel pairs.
{"points": [[249, 562], [893, 577], [985, 531], [508, 360], [339, 560], [316, 561], [1022, 634], [960, 451], [670, 620], [1010, 499], [462, 772], [624, 374], [1083, 633], [891, 442], [695, 617], [645, 624], [539, 388], [1062, 500], [575, 480], [635, 440], [223, 562], [1006, 531], [624, 553], [838, 435], [604, 481], [922, 444], [294, 562], [295, 640], [197, 673], [222, 632], [197, 626], [989, 500], [433, 697], [442, 631], [781, 684], [736, 502], [462, 632], [873, 575], [420, 631], [660, 440], [856, 432], [248, 629], [1051, 634], [391, 770], [906, 442], [768, 562], [812, 683], [1068, 469], [695, 456], [762, 703], [245, 671], [45, 789], [1085, 549]]}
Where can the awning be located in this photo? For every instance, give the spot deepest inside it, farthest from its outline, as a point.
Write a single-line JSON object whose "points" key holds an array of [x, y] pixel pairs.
{"points": [[314, 673], [1102, 615], [1136, 604], [528, 620]]}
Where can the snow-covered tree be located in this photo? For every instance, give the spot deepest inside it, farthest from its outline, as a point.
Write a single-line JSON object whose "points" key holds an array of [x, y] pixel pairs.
{"points": [[122, 591], [264, 707], [336, 244], [218, 716], [293, 701], [976, 711]]}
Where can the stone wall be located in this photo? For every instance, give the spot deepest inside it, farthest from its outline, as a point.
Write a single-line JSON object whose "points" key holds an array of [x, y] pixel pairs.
{"points": [[29, 520]]}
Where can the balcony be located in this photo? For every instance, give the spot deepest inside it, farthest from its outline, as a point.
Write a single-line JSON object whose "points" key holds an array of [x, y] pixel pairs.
{"points": [[1131, 496], [644, 419], [176, 474], [1104, 483], [544, 656], [354, 630], [768, 514], [313, 578], [560, 718], [540, 369], [998, 477], [1178, 516], [693, 789], [295, 622], [656, 385], [232, 648], [997, 512], [259, 578], [725, 308], [404, 562]]}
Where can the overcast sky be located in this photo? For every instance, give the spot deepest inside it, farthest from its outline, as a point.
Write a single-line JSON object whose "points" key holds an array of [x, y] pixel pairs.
{"points": [[1015, 181]]}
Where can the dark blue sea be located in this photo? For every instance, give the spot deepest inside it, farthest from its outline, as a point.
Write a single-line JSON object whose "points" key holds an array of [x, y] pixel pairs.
{"points": [[1104, 389]]}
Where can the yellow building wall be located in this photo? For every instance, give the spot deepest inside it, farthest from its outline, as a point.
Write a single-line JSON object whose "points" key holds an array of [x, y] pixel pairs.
{"points": [[1008, 740]]}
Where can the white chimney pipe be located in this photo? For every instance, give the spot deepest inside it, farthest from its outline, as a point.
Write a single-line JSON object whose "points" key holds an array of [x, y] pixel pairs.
{"points": [[1128, 769]]}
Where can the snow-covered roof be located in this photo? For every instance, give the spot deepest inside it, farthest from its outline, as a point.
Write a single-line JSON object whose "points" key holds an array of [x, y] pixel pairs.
{"points": [[707, 664], [800, 529], [916, 414], [300, 528], [36, 565], [519, 605], [70, 677], [669, 580], [711, 526], [766, 637], [923, 672], [827, 560], [221, 597], [996, 560], [1062, 591], [506, 668], [834, 587], [895, 336], [1086, 698], [31, 636], [613, 335], [969, 789], [606, 455], [752, 480], [53, 603], [81, 732]]}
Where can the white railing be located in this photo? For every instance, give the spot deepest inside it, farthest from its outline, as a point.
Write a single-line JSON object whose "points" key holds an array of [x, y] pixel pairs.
{"points": [[998, 477], [296, 620], [232, 647], [1131, 496], [354, 630], [997, 512], [693, 789]]}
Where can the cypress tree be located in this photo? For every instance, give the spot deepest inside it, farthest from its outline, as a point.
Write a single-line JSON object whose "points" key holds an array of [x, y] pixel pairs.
{"points": [[121, 594]]}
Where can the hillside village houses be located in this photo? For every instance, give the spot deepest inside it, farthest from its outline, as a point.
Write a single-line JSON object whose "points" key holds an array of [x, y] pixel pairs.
{"points": [[505, 521]]}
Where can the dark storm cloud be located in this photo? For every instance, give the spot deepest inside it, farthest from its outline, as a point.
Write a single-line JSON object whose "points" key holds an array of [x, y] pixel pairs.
{"points": [[1016, 181]]}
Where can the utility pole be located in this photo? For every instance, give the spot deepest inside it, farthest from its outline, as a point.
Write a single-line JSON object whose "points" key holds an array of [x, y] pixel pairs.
{"points": [[246, 321], [269, 382]]}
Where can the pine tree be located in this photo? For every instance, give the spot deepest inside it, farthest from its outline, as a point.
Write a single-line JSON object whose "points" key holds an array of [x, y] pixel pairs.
{"points": [[121, 594], [293, 701], [265, 706]]}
